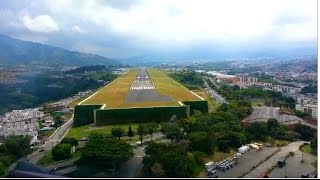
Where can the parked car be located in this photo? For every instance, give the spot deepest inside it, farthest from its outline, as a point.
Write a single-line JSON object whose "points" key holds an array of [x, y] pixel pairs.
{"points": [[305, 175], [281, 163], [213, 174]]}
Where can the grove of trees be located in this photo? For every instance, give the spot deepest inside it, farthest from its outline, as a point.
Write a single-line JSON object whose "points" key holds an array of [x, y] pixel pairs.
{"points": [[107, 152]]}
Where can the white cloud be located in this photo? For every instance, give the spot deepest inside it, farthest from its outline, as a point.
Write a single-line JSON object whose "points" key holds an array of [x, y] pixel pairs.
{"points": [[194, 21], [41, 23], [77, 29]]}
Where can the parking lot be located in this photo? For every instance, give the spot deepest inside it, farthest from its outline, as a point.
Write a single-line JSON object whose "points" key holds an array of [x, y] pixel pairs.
{"points": [[247, 161], [294, 168]]}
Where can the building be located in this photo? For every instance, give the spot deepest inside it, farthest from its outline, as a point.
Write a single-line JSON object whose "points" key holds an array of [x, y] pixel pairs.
{"points": [[312, 109], [286, 89], [21, 122], [247, 79]]}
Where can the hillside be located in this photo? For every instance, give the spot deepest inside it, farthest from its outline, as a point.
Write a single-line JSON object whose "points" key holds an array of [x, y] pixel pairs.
{"points": [[14, 52]]}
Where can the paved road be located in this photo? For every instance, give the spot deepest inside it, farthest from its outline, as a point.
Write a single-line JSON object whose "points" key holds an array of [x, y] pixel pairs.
{"points": [[214, 94], [142, 89], [61, 164], [53, 141], [263, 168], [133, 166], [214, 83], [67, 170], [294, 168]]}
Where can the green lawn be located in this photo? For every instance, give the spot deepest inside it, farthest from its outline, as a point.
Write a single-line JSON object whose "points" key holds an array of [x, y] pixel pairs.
{"points": [[167, 86], [306, 149], [113, 94], [257, 102], [85, 131]]}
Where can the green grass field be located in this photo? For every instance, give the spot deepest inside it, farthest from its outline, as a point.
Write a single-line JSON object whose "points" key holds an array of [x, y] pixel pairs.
{"points": [[167, 86], [257, 102], [306, 149], [85, 131], [114, 94]]}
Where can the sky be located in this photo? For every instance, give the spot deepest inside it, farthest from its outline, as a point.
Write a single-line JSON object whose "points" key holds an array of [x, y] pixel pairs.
{"points": [[126, 28]]}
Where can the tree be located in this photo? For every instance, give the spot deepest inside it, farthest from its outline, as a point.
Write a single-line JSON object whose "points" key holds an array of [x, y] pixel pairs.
{"points": [[172, 131], [151, 128], [2, 169], [302, 114], [272, 124], [18, 145], [236, 139], [57, 120], [279, 132], [223, 146], [141, 131], [108, 152], [117, 132], [71, 141], [130, 132], [200, 141], [163, 160], [257, 130], [61, 151], [306, 132], [314, 144]]}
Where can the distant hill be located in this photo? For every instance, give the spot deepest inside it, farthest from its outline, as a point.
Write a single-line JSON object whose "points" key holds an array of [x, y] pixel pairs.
{"points": [[14, 52]]}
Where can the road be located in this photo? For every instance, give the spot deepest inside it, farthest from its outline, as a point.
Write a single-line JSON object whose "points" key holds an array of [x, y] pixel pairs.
{"points": [[133, 166], [294, 168], [263, 168], [53, 141], [214, 94]]}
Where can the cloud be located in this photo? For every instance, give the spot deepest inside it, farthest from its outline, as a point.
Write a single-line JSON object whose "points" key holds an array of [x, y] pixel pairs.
{"points": [[77, 29], [146, 26], [41, 23], [187, 22]]}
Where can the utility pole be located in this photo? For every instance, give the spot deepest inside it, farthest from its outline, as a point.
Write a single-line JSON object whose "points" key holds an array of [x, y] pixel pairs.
{"points": [[285, 171]]}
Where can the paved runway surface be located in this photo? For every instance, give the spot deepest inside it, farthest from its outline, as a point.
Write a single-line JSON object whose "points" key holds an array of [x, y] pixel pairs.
{"points": [[142, 89]]}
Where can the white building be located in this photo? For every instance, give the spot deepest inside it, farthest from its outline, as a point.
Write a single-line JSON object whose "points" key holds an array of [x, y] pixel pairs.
{"points": [[312, 109], [21, 122]]}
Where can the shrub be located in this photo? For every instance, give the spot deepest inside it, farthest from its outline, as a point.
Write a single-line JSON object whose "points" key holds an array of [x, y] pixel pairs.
{"points": [[71, 141], [61, 151]]}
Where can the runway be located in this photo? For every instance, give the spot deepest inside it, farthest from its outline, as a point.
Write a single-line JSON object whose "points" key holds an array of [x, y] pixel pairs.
{"points": [[142, 89]]}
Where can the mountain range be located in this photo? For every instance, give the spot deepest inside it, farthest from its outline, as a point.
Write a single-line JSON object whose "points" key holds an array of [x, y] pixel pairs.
{"points": [[15, 52]]}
